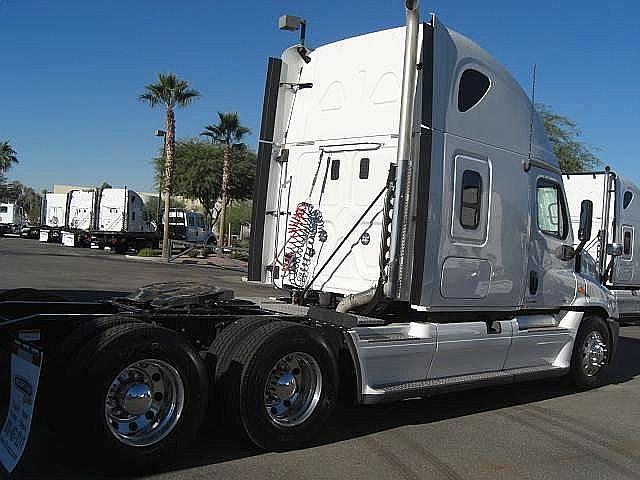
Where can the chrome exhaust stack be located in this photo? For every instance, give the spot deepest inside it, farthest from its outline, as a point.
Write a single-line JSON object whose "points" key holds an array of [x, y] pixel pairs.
{"points": [[402, 199]]}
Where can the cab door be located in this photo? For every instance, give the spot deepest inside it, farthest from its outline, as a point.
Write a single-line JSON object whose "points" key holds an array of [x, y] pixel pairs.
{"points": [[551, 270]]}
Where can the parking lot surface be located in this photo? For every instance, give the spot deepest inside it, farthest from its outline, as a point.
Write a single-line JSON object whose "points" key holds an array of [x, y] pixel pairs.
{"points": [[539, 430]]}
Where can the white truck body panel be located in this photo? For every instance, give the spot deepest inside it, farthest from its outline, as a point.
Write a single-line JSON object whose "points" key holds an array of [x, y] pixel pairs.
{"points": [[56, 209], [122, 210], [81, 209], [334, 125]]}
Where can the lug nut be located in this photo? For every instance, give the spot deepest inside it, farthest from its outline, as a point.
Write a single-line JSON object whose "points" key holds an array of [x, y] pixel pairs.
{"points": [[149, 415], [157, 396], [155, 377]]}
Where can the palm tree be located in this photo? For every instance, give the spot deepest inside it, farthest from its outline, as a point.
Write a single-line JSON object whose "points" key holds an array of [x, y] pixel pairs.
{"points": [[7, 156], [170, 92], [227, 132]]}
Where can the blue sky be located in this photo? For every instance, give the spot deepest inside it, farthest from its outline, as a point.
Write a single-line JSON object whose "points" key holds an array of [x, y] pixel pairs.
{"points": [[71, 70]]}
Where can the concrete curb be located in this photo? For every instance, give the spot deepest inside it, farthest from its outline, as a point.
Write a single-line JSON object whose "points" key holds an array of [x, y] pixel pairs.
{"points": [[226, 264]]}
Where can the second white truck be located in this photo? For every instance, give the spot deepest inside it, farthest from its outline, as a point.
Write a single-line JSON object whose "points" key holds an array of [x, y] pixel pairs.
{"points": [[617, 216]]}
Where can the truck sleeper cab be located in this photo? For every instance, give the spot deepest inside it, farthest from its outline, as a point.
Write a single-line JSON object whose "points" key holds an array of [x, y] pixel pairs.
{"points": [[483, 258]]}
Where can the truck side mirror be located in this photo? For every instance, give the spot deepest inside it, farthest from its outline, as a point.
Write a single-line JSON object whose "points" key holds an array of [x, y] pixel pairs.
{"points": [[586, 218], [614, 249]]}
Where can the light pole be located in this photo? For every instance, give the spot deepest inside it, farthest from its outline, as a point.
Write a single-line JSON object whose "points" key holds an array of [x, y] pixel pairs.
{"points": [[165, 229], [291, 23]]}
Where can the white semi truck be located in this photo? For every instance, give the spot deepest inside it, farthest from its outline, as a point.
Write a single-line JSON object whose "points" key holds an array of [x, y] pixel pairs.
{"points": [[409, 205], [54, 216], [99, 217], [190, 226], [121, 221], [12, 218], [617, 216]]}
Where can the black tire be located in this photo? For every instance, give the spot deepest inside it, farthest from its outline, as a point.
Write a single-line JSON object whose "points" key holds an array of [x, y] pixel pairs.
{"points": [[229, 338], [56, 366], [579, 375], [243, 384], [95, 368]]}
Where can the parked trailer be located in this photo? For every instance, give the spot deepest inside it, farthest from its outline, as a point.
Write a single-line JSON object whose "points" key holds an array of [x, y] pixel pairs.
{"points": [[121, 222], [12, 218], [469, 280], [617, 215]]}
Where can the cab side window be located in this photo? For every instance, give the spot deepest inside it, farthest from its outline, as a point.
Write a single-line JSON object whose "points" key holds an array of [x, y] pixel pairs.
{"points": [[552, 214], [471, 201], [627, 242]]}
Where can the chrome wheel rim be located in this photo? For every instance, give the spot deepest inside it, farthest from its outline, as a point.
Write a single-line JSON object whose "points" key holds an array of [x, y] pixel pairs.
{"points": [[144, 402], [594, 353], [293, 389]]}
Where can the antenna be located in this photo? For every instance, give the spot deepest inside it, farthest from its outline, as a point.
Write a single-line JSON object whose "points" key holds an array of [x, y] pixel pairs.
{"points": [[533, 112]]}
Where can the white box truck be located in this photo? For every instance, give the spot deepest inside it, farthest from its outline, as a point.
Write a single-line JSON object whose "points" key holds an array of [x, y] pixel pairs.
{"points": [[414, 210]]}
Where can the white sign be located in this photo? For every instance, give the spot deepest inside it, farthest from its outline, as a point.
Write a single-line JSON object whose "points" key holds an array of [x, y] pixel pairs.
{"points": [[25, 373], [44, 235], [68, 239]]}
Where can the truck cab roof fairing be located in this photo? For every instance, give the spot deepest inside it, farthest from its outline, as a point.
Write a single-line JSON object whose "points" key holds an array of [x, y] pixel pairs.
{"points": [[505, 102]]}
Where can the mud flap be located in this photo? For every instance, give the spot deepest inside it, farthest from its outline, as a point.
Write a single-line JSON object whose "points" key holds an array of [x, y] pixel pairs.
{"points": [[26, 363]]}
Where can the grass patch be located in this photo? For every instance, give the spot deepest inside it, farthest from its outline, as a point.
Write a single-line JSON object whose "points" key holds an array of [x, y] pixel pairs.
{"points": [[149, 252]]}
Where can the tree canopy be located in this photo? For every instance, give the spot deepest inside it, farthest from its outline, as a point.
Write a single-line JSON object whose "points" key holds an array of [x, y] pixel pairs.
{"points": [[197, 173], [169, 92], [8, 156], [564, 136], [227, 131], [22, 195]]}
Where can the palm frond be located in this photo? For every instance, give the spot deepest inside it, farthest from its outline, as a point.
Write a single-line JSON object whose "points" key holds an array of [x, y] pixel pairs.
{"points": [[169, 91]]}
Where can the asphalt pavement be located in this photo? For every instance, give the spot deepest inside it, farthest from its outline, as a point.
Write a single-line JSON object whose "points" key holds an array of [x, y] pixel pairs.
{"points": [[538, 430]]}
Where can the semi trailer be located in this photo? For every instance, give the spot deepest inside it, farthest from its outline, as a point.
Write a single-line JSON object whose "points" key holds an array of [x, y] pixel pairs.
{"points": [[617, 215], [412, 215]]}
